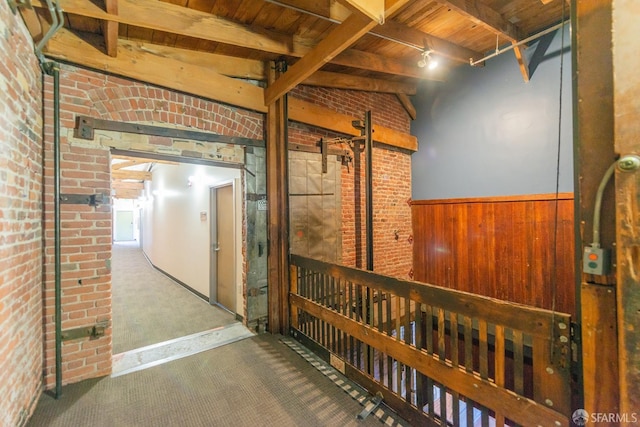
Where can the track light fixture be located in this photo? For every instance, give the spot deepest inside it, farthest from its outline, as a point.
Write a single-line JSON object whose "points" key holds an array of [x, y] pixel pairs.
{"points": [[427, 61]]}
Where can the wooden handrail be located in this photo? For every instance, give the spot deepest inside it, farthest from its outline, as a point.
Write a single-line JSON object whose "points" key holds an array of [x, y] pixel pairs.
{"points": [[531, 320]]}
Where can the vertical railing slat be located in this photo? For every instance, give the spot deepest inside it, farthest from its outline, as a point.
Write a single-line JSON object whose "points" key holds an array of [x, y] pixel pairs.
{"points": [[380, 327], [441, 335], [468, 344], [483, 343], [518, 362], [428, 316], [453, 339], [293, 288]]}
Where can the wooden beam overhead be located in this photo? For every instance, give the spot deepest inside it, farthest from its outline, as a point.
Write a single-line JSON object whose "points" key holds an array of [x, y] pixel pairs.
{"points": [[440, 47], [408, 105], [522, 62], [391, 30], [229, 66], [122, 165], [314, 115], [343, 36], [484, 15], [374, 9], [110, 28], [125, 174], [131, 160], [346, 81], [173, 19], [31, 20], [124, 193], [119, 184], [156, 69]]}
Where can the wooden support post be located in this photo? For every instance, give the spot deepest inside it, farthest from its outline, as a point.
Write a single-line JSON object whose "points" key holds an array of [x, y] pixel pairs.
{"points": [[110, 29], [278, 209], [594, 153], [627, 185]]}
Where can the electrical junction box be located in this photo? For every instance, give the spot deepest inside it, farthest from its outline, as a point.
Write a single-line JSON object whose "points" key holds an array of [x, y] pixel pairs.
{"points": [[596, 261]]}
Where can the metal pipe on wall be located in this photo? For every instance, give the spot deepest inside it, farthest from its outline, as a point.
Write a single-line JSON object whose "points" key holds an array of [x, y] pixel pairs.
{"points": [[57, 21], [368, 147], [57, 226], [53, 69]]}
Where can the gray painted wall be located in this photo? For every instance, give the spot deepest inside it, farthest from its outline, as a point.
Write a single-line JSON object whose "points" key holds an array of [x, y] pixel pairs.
{"points": [[485, 132]]}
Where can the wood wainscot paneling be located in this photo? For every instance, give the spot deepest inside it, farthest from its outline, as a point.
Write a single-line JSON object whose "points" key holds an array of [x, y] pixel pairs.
{"points": [[501, 247]]}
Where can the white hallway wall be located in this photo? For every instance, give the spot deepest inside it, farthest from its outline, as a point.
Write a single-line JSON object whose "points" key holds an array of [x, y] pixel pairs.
{"points": [[174, 235]]}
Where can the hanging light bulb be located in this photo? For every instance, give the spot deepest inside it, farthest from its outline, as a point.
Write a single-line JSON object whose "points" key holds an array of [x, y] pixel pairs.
{"points": [[427, 61]]}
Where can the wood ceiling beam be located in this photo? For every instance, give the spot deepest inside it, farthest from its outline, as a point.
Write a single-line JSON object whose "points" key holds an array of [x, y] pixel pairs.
{"points": [[391, 30], [408, 105], [122, 165], [492, 20], [441, 47], [374, 9], [31, 20], [137, 161], [170, 18], [522, 62], [110, 28], [483, 15], [125, 174], [119, 184], [343, 36], [174, 19], [201, 81], [346, 81], [125, 193], [156, 70], [231, 66], [315, 115]]}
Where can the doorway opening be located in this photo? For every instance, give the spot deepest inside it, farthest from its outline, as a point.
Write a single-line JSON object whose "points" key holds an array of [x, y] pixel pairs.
{"points": [[161, 289]]}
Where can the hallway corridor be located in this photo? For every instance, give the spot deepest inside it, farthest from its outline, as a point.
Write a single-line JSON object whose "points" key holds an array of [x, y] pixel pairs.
{"points": [[149, 307]]}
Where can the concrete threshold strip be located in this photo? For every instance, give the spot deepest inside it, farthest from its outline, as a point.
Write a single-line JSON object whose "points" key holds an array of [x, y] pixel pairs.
{"points": [[166, 351], [371, 404]]}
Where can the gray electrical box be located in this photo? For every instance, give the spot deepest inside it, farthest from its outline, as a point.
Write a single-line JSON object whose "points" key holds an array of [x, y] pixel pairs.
{"points": [[596, 261]]}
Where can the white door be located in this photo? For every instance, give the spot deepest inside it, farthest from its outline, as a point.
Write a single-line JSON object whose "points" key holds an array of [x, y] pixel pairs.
{"points": [[124, 226]]}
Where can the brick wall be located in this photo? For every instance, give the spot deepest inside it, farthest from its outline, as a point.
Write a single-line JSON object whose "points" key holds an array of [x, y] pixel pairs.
{"points": [[86, 279], [391, 180], [85, 169], [20, 217]]}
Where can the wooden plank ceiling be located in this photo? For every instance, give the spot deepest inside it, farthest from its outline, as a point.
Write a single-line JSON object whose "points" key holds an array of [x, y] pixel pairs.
{"points": [[355, 44]]}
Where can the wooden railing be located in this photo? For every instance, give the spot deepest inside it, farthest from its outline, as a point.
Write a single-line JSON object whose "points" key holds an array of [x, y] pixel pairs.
{"points": [[439, 356]]}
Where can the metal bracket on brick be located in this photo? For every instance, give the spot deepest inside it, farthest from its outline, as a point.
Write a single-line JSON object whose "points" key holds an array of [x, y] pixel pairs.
{"points": [[85, 127], [93, 332], [84, 199]]}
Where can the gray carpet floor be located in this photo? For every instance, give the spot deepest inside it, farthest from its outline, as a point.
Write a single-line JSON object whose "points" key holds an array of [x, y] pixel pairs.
{"points": [[149, 307], [258, 381], [255, 382]]}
